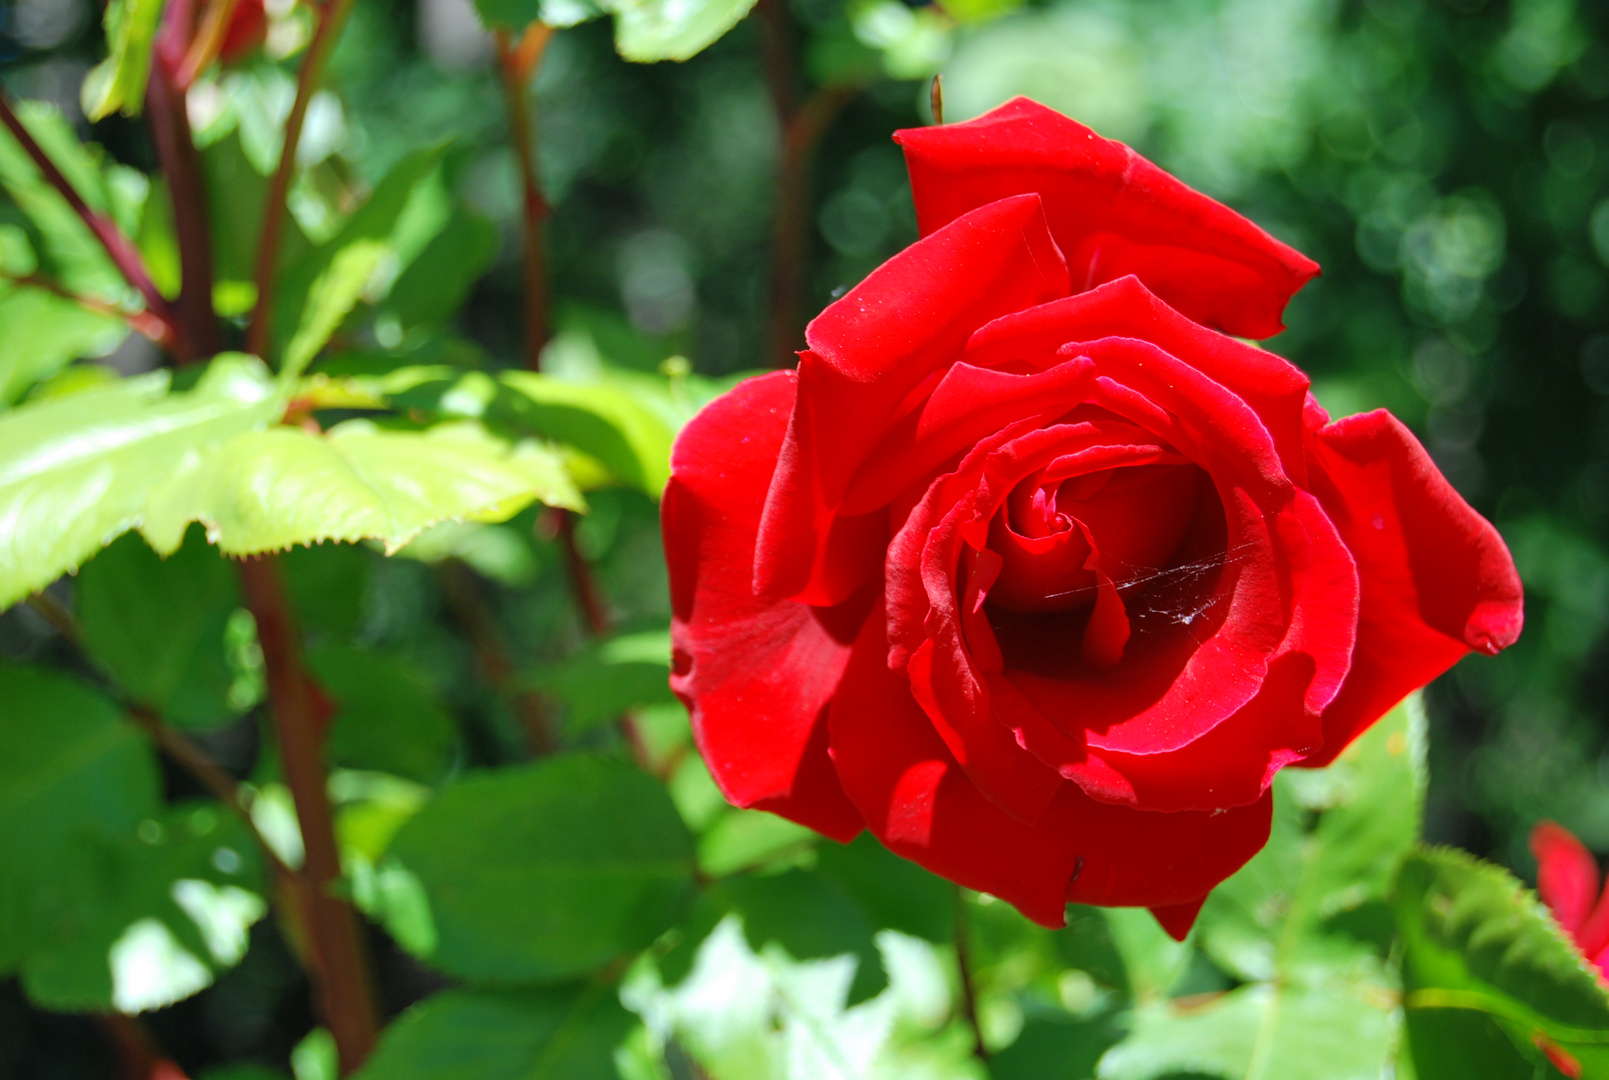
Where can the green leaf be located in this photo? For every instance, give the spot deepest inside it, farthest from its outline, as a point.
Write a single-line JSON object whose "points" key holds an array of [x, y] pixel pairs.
{"points": [[604, 680], [270, 489], [1259, 1032], [895, 893], [1052, 1047], [564, 1033], [118, 82], [1477, 943], [169, 911], [548, 871], [332, 296], [399, 217], [77, 471], [810, 918], [386, 718], [516, 15], [598, 419], [157, 625], [74, 774], [68, 252], [433, 287], [650, 30], [1313, 901], [41, 333]]}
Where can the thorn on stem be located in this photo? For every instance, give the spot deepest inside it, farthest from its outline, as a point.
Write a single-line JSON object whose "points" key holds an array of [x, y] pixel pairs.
{"points": [[935, 98]]}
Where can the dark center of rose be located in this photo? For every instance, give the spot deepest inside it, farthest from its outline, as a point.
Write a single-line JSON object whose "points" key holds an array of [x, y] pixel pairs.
{"points": [[1051, 537]]}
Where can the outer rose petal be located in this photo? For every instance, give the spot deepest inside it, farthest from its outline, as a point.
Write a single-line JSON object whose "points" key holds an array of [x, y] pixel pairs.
{"points": [[920, 804], [1567, 875], [906, 323], [756, 674], [1111, 211], [1436, 579]]}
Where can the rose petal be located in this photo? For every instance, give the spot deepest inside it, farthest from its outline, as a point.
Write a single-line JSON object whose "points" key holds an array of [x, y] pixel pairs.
{"points": [[1566, 875], [1274, 388], [916, 800], [1111, 211], [906, 322], [1437, 580], [756, 675], [1179, 918]]}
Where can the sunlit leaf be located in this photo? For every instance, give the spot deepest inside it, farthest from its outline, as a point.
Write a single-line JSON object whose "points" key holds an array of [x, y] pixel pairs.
{"points": [[1259, 1030], [118, 82], [565, 1033], [592, 849], [40, 333], [270, 489], [601, 420], [650, 30], [332, 296], [1480, 952], [77, 471]]}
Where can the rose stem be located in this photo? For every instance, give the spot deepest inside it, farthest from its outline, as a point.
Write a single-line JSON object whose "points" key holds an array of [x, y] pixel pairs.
{"points": [[462, 592], [342, 985], [963, 964], [124, 255], [208, 40], [518, 64], [802, 127], [331, 17], [176, 154]]}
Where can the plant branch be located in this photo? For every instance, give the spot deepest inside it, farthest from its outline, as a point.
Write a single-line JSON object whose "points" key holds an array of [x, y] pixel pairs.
{"points": [[463, 595], [963, 964], [517, 64], [142, 322], [331, 18], [208, 40], [343, 986], [181, 165], [124, 255], [802, 127]]}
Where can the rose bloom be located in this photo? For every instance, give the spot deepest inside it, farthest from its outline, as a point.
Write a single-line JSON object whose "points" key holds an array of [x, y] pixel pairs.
{"points": [[1032, 569], [1567, 881]]}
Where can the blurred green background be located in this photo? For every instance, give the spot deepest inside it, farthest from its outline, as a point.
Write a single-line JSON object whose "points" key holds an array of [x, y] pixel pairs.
{"points": [[1444, 160]]}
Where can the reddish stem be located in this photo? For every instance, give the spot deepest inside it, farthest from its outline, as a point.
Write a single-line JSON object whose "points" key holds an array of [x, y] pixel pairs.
{"points": [[517, 65], [181, 165], [963, 964], [802, 127], [118, 247], [331, 17], [342, 985]]}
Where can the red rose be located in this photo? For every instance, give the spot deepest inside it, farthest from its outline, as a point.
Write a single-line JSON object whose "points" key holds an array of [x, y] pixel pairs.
{"points": [[1035, 575], [1567, 881]]}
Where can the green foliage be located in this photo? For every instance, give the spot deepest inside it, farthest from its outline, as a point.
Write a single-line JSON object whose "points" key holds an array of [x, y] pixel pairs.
{"points": [[158, 625], [602, 681], [386, 719], [269, 489], [1476, 941], [117, 84], [77, 471], [563, 1033], [68, 252], [602, 420], [650, 30], [41, 333], [592, 847]]}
